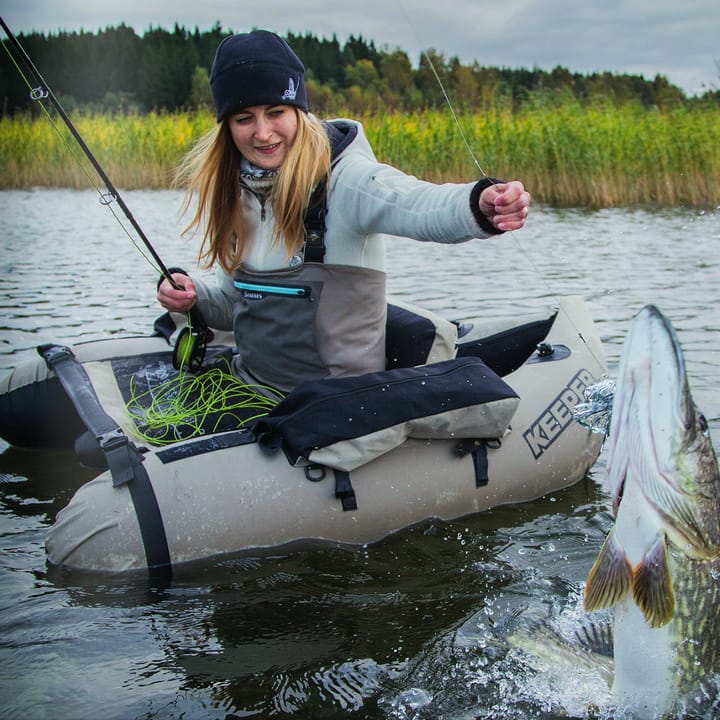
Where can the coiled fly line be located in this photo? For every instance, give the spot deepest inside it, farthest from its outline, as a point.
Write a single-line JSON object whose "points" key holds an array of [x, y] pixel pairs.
{"points": [[190, 405]]}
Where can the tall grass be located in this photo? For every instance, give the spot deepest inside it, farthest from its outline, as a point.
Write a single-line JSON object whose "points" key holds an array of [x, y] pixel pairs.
{"points": [[135, 151], [567, 154]]}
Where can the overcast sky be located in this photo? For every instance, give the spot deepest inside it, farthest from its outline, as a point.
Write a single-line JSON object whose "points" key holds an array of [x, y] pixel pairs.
{"points": [[679, 39]]}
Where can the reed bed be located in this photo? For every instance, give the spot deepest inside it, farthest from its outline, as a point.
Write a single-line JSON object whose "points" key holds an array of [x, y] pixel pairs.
{"points": [[567, 154], [135, 151]]}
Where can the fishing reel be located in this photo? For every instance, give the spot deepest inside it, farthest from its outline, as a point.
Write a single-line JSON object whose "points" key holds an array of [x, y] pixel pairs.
{"points": [[191, 343], [192, 340]]}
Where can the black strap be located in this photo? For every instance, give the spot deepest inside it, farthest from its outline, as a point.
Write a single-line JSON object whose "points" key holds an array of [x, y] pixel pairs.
{"points": [[315, 225], [344, 490], [121, 454], [152, 529], [124, 459], [205, 445], [478, 450], [480, 461], [341, 135]]}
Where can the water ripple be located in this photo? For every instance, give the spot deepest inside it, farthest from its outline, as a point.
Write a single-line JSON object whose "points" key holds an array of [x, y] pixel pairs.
{"points": [[416, 627]]}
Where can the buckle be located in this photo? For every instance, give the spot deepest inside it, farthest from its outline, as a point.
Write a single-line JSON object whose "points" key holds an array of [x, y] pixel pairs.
{"points": [[113, 440], [53, 354]]}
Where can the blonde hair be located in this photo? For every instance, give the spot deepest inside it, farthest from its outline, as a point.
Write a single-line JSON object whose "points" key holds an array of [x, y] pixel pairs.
{"points": [[211, 170]]}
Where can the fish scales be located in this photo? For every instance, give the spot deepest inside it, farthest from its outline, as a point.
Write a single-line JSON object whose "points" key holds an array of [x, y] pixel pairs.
{"points": [[696, 624], [660, 564]]}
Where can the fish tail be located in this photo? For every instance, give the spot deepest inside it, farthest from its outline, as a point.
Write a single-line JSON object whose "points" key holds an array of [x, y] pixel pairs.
{"points": [[610, 577], [652, 586]]}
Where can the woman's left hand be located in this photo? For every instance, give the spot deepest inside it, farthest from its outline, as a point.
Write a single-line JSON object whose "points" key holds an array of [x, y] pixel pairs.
{"points": [[506, 205]]}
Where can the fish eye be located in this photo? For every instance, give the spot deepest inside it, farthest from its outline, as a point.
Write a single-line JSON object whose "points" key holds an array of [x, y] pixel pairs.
{"points": [[702, 423]]}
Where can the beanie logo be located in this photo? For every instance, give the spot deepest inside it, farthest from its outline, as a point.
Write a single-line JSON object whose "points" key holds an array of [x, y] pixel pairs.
{"points": [[291, 91]]}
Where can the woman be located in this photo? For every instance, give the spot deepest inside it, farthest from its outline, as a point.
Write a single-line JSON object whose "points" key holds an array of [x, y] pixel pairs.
{"points": [[307, 302]]}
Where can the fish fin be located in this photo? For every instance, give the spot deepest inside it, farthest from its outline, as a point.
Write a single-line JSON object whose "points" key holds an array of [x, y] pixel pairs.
{"points": [[597, 637], [610, 577], [652, 586]]}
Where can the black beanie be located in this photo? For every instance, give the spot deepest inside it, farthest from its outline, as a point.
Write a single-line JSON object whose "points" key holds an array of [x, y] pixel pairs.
{"points": [[256, 68]]}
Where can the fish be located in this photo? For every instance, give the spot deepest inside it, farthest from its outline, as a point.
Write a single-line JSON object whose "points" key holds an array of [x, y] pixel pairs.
{"points": [[659, 567]]}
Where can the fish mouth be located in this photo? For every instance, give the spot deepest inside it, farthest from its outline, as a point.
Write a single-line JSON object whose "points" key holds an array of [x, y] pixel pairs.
{"points": [[652, 384], [653, 411], [656, 367]]}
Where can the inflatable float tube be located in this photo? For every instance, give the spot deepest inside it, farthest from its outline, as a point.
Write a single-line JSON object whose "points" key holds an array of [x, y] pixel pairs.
{"points": [[222, 493]]}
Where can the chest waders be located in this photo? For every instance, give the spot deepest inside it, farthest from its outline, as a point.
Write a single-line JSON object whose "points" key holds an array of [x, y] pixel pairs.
{"points": [[313, 320], [308, 322]]}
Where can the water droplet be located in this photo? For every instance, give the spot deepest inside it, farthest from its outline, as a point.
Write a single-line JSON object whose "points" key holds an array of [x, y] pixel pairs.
{"points": [[414, 699]]}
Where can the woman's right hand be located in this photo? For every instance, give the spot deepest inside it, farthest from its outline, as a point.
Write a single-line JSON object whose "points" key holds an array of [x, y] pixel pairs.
{"points": [[177, 300]]}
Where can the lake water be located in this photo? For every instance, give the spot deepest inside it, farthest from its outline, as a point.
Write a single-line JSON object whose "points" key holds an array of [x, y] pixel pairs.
{"points": [[412, 628]]}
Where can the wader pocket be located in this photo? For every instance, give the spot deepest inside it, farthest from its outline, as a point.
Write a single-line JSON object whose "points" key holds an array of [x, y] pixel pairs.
{"points": [[257, 291], [283, 347]]}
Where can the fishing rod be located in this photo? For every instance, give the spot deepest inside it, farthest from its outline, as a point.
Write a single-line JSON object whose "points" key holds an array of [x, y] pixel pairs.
{"points": [[192, 341]]}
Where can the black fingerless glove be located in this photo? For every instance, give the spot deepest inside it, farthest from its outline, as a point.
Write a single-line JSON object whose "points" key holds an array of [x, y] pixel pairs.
{"points": [[482, 220]]}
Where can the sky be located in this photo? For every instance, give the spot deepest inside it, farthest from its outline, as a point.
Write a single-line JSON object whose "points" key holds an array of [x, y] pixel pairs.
{"points": [[679, 39]]}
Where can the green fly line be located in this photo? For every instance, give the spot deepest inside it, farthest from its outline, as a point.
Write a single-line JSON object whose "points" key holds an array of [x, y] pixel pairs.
{"points": [[188, 405]]}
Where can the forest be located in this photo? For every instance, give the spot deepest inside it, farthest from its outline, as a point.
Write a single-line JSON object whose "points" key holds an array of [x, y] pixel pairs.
{"points": [[117, 70], [142, 101]]}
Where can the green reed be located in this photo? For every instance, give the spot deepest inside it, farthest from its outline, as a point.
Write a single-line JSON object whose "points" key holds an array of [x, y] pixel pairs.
{"points": [[135, 151], [567, 154]]}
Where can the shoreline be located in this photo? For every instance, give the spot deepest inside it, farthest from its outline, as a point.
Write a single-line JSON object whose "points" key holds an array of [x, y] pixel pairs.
{"points": [[567, 155]]}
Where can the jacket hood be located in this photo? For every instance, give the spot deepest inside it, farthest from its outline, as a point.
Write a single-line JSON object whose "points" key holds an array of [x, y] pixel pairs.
{"points": [[347, 136]]}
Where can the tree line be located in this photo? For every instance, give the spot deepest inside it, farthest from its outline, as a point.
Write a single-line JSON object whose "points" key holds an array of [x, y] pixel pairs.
{"points": [[117, 70]]}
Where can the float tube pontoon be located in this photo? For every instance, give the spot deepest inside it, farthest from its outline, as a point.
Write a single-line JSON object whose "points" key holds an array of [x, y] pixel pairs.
{"points": [[224, 492]]}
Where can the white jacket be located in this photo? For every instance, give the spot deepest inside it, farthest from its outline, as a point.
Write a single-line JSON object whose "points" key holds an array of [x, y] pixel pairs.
{"points": [[368, 201]]}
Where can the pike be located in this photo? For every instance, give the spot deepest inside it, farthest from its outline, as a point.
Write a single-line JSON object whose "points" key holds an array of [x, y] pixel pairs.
{"points": [[660, 564]]}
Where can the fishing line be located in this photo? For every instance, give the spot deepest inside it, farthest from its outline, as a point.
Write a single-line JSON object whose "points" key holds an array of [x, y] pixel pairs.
{"points": [[454, 115], [471, 152], [38, 94], [196, 335], [189, 405]]}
